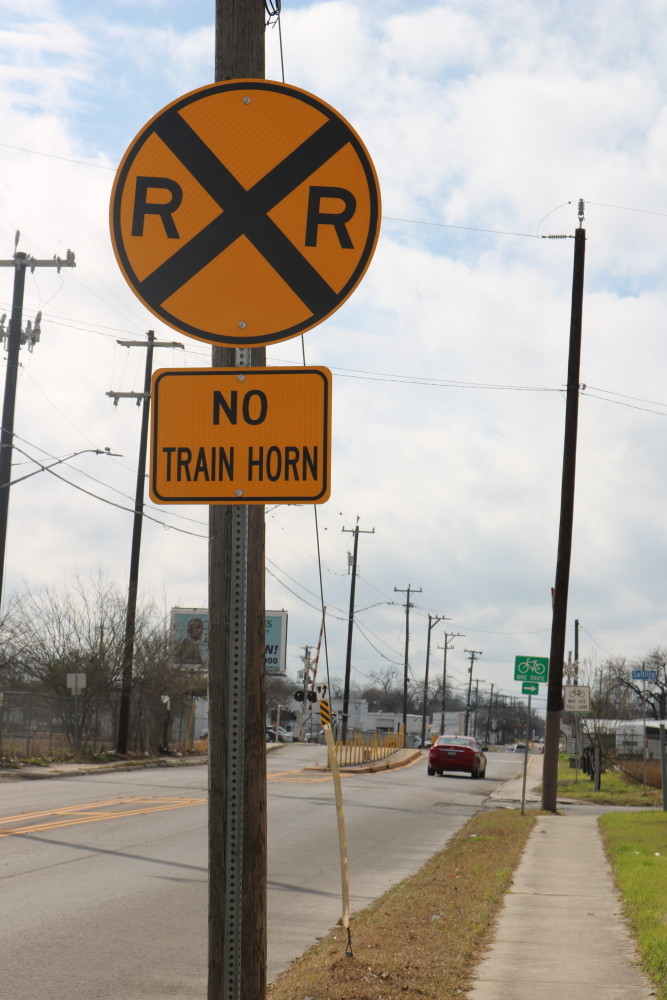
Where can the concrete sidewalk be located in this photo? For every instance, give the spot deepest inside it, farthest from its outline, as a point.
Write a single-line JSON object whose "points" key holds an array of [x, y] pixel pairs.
{"points": [[560, 934]]}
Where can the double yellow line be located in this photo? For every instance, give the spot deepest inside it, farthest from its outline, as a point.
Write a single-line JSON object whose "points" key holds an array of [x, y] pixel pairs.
{"points": [[91, 812]]}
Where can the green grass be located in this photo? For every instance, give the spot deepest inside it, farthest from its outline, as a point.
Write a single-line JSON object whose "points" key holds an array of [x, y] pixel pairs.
{"points": [[615, 788], [636, 845]]}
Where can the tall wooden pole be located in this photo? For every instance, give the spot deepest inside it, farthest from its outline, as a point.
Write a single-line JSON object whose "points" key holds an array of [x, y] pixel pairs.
{"points": [[559, 620], [239, 54], [135, 551]]}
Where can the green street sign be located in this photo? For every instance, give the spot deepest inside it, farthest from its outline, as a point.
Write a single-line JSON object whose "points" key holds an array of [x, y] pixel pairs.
{"points": [[531, 668], [530, 687]]}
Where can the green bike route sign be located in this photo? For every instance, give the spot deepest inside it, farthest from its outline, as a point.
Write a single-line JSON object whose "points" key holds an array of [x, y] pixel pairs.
{"points": [[531, 668]]}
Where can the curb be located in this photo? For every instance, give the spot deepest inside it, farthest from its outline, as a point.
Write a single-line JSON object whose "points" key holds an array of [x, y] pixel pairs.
{"points": [[380, 765], [76, 770]]}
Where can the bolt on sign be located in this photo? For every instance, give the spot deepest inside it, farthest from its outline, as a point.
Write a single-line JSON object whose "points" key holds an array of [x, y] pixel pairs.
{"points": [[240, 435], [245, 212]]}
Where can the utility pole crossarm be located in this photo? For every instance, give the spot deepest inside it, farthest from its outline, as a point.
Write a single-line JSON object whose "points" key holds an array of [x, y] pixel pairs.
{"points": [[23, 261]]}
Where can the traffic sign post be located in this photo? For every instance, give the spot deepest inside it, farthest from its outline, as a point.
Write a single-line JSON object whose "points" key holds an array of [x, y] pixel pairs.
{"points": [[245, 212], [245, 436], [531, 671]]}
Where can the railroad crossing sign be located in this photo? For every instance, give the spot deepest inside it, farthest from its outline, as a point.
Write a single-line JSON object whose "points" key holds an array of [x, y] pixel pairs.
{"points": [[245, 212], [531, 668], [240, 435]]}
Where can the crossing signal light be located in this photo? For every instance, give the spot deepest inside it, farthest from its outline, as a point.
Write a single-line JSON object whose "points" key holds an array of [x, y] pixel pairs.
{"points": [[311, 696]]}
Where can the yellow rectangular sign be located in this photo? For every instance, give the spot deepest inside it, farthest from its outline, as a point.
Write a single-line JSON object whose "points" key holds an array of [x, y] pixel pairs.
{"points": [[240, 435]]}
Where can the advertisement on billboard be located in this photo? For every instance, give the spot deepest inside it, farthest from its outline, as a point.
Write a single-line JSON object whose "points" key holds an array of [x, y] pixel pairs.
{"points": [[189, 631]]}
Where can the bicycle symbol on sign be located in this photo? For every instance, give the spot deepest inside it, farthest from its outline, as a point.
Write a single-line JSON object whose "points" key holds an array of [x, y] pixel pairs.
{"points": [[534, 668]]}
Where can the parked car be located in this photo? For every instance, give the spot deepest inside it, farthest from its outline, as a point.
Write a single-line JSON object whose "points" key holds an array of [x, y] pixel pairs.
{"points": [[283, 735], [457, 753]]}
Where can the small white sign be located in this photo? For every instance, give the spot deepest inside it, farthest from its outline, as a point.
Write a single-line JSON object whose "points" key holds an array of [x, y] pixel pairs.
{"points": [[576, 698], [76, 683]]}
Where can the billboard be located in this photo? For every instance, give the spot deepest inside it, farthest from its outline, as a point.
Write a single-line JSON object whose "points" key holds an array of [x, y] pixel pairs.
{"points": [[189, 631]]}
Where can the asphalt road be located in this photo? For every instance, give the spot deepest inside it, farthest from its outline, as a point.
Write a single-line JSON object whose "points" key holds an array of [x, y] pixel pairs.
{"points": [[104, 890]]}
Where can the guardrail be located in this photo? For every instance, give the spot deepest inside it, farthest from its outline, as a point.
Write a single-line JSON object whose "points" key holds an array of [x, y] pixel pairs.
{"points": [[362, 748]]}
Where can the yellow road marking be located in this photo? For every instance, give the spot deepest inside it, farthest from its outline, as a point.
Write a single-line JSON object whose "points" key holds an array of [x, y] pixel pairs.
{"points": [[90, 813]]}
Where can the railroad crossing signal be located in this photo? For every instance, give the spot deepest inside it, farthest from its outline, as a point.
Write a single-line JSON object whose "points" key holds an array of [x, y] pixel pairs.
{"points": [[245, 212]]}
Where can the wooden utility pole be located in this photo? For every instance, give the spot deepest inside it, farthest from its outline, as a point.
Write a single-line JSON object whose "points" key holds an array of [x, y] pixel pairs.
{"points": [[20, 262], [408, 605], [474, 653], [237, 767], [562, 582], [448, 636], [143, 398], [432, 622], [350, 625]]}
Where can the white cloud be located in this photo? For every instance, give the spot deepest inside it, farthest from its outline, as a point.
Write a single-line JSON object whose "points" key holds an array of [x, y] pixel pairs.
{"points": [[477, 115]]}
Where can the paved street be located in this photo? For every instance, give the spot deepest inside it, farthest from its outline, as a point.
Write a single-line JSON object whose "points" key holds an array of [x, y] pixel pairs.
{"points": [[108, 878]]}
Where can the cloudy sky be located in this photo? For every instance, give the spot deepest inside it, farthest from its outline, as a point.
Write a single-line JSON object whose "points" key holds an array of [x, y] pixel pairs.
{"points": [[486, 123]]}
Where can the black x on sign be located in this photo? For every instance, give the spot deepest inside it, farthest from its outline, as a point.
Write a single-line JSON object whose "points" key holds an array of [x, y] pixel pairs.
{"points": [[245, 212]]}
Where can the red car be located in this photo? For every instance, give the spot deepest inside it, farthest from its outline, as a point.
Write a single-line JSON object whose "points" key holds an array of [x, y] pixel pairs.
{"points": [[457, 753]]}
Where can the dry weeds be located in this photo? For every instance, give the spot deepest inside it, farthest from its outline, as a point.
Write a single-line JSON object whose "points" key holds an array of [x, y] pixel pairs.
{"points": [[423, 938]]}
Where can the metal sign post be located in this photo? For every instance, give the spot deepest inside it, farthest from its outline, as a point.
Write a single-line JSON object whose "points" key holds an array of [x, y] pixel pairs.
{"points": [[235, 759], [76, 683], [525, 762]]}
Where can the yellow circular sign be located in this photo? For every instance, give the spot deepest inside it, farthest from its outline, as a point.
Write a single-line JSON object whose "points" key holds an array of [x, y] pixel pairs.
{"points": [[245, 212]]}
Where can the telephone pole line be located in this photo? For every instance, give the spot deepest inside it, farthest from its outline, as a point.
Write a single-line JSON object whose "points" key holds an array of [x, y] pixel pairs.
{"points": [[564, 553], [350, 624], [409, 590], [432, 622], [448, 636], [131, 613], [20, 262], [488, 718], [474, 653], [237, 921]]}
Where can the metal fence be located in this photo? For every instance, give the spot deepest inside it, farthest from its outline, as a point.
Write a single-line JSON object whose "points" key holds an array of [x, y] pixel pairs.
{"points": [[37, 725], [362, 748]]}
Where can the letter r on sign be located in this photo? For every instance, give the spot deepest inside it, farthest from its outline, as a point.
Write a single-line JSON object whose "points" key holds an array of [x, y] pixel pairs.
{"points": [[165, 209], [317, 218]]}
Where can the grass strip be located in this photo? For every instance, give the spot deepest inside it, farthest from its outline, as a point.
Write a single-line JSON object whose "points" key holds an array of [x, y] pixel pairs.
{"points": [[616, 788], [636, 845], [423, 938]]}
